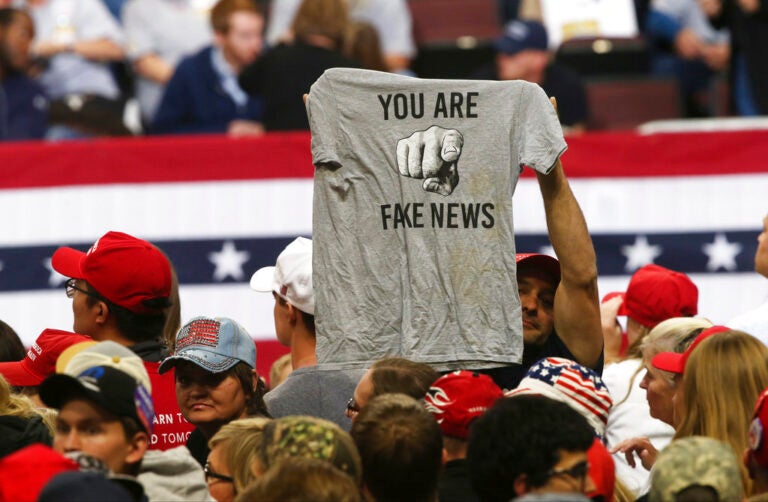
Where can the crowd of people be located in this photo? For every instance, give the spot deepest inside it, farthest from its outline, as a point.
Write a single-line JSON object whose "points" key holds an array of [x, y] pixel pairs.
{"points": [[635, 396], [114, 67], [133, 405]]}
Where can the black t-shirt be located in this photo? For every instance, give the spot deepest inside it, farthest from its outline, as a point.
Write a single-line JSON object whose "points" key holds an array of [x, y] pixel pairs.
{"points": [[509, 377]]}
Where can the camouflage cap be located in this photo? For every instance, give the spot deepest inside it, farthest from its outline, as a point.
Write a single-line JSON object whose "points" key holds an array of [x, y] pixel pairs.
{"points": [[303, 436], [695, 461]]}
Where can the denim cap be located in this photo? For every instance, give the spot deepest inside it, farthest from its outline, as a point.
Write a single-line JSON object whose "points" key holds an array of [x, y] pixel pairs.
{"points": [[215, 344]]}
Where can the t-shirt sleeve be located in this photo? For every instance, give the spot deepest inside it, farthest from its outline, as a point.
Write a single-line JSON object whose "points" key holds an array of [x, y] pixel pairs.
{"points": [[322, 111], [539, 134], [95, 22], [138, 30]]}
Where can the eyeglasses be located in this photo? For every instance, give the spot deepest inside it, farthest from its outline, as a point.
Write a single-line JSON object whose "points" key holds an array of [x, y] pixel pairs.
{"points": [[70, 286], [215, 475], [352, 408], [577, 471]]}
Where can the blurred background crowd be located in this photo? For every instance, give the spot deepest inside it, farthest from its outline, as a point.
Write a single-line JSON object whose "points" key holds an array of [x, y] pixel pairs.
{"points": [[82, 68]]}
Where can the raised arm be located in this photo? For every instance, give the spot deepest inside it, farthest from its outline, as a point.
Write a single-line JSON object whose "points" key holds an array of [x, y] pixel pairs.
{"points": [[576, 309]]}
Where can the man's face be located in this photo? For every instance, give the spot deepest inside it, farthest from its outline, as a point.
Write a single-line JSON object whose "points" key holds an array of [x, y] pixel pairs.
{"points": [[86, 427], [83, 313], [565, 479], [761, 256], [282, 320], [243, 41], [537, 299], [15, 42], [525, 65]]}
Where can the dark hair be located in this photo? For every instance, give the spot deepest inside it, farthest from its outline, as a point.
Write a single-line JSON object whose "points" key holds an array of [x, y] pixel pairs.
{"points": [[135, 327], [522, 435], [11, 348], [254, 397], [6, 16], [308, 319], [401, 447], [397, 374]]}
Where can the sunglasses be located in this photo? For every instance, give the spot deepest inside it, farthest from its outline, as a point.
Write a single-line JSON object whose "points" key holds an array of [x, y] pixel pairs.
{"points": [[577, 471], [215, 475], [352, 408]]}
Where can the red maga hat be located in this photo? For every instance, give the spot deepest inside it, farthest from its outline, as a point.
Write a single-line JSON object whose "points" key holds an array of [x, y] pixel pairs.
{"points": [[40, 361], [125, 270], [656, 294], [674, 362]]}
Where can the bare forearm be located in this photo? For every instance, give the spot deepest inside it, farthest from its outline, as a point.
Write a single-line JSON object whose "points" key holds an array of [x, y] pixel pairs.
{"points": [[154, 68], [99, 50], [576, 310], [568, 231]]}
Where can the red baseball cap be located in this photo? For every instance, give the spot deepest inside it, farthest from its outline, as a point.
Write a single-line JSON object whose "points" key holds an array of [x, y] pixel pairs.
{"points": [[458, 398], [758, 432], [656, 294], [602, 470], [544, 262], [40, 361], [24, 473], [127, 271], [674, 362]]}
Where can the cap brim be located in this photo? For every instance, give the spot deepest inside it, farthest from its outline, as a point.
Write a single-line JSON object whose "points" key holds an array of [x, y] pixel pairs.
{"points": [[69, 353], [622, 308], [669, 361], [545, 262], [59, 389], [17, 374], [66, 261], [206, 360], [263, 279]]}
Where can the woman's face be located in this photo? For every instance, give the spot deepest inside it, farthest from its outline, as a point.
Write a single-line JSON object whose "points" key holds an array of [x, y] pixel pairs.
{"points": [[217, 473], [208, 400], [658, 392]]}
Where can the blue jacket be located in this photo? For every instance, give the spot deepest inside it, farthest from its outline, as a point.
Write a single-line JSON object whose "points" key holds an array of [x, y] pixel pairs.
{"points": [[23, 109], [195, 102]]}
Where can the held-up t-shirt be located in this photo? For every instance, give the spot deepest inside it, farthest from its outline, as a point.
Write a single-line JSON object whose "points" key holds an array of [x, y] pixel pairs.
{"points": [[414, 251]]}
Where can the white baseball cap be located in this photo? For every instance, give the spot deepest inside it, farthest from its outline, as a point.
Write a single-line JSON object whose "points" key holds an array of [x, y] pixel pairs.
{"points": [[291, 277], [106, 353]]}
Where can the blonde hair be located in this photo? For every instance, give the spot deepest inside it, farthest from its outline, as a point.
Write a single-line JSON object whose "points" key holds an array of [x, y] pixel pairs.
{"points": [[16, 405], [722, 380], [667, 336], [326, 18], [241, 440], [672, 335], [277, 369], [302, 479]]}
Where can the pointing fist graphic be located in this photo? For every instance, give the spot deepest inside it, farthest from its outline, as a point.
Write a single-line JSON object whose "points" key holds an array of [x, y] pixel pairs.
{"points": [[433, 156]]}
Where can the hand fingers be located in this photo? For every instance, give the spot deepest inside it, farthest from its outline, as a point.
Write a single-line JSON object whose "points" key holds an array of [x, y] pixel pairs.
{"points": [[451, 145], [553, 100]]}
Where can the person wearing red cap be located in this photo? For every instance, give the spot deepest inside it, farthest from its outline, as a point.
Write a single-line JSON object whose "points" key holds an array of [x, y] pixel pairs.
{"points": [[558, 298], [120, 290], [756, 456], [456, 400], [654, 294], [723, 372], [755, 321]]}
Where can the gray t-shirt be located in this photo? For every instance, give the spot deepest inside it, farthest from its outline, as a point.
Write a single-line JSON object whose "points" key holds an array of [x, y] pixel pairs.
{"points": [[314, 392], [414, 251]]}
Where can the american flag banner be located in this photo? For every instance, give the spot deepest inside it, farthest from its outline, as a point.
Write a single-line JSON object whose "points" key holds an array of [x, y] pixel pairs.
{"points": [[222, 208]]}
